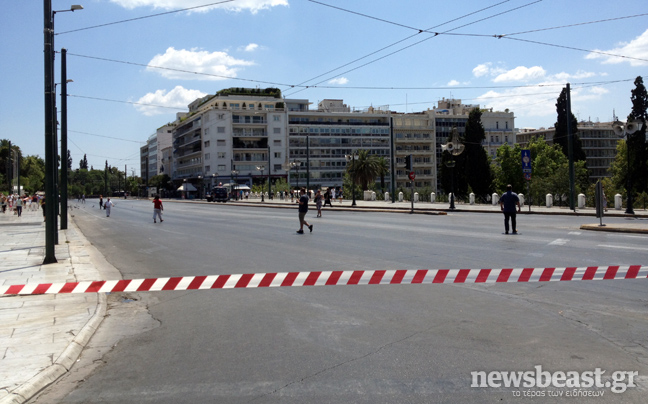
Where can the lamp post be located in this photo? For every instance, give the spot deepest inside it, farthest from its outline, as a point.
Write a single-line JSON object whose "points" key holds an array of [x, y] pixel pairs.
{"points": [[352, 158], [235, 174], [455, 148], [260, 168], [625, 131], [200, 186], [51, 199], [296, 164]]}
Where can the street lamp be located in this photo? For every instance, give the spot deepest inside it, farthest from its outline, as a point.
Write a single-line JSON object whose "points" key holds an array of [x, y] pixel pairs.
{"points": [[352, 158], [261, 168], [51, 197], [625, 131], [296, 164], [455, 148]]}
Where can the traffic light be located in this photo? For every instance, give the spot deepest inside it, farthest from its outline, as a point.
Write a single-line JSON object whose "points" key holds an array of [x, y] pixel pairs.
{"points": [[408, 163]]}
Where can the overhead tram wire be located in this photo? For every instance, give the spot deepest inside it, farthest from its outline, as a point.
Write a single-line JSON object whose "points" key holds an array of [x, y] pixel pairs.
{"points": [[395, 43], [144, 17], [426, 39], [179, 70]]}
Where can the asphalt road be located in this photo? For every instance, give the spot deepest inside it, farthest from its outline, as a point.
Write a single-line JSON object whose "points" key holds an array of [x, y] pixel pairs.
{"points": [[354, 344]]}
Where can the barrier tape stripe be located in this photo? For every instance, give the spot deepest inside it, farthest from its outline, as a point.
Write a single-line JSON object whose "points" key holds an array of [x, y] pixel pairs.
{"points": [[331, 278]]}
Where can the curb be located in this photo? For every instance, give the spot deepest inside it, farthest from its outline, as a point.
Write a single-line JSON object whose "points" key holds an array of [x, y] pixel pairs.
{"points": [[66, 359], [612, 228]]}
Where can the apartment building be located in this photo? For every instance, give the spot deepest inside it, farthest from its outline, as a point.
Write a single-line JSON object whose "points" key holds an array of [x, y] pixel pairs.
{"points": [[244, 136]]}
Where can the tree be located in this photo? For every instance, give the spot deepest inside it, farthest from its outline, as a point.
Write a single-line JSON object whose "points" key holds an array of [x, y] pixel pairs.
{"points": [[383, 170], [69, 160], [364, 169], [83, 164], [507, 169], [478, 163], [637, 141], [561, 136]]}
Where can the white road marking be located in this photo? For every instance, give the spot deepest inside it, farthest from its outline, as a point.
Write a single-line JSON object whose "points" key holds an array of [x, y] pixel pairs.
{"points": [[623, 247], [559, 241]]}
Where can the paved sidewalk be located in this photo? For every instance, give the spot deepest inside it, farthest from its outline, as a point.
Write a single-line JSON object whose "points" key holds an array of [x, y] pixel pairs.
{"points": [[41, 336]]}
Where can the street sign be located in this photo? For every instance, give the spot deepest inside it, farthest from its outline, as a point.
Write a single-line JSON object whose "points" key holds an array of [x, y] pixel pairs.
{"points": [[412, 175], [526, 161], [527, 176]]}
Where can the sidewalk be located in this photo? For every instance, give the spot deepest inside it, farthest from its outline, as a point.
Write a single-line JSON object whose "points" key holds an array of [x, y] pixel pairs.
{"points": [[41, 336]]}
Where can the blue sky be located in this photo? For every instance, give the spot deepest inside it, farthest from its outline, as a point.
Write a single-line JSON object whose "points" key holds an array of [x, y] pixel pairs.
{"points": [[341, 48]]}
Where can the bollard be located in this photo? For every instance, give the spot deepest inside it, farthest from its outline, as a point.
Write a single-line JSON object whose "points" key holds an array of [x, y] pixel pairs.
{"points": [[386, 196], [400, 197], [472, 198], [432, 197], [416, 196], [581, 201], [494, 199], [618, 202], [373, 196], [549, 200], [521, 197]]}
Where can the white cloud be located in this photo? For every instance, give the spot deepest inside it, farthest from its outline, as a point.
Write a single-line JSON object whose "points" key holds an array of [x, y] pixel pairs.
{"points": [[452, 83], [487, 69], [184, 62], [254, 6], [637, 48], [580, 74], [339, 80], [179, 98], [251, 47], [537, 101], [521, 73]]}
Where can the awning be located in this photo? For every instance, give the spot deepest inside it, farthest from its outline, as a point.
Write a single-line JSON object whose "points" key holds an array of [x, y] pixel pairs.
{"points": [[187, 187]]}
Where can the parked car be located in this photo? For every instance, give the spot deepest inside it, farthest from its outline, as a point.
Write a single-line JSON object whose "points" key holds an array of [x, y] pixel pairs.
{"points": [[218, 194]]}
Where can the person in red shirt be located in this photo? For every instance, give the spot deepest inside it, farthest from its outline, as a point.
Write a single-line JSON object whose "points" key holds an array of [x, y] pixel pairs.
{"points": [[157, 209]]}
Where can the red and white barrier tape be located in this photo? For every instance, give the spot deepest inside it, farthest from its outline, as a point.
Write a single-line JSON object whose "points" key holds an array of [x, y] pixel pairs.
{"points": [[377, 277]]}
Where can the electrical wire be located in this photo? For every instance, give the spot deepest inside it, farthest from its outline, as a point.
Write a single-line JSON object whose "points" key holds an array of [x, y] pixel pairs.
{"points": [[426, 39], [144, 17], [108, 137], [123, 102]]}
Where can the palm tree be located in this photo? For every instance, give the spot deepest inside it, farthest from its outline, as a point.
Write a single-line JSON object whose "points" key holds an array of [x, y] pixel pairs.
{"points": [[364, 169], [383, 170]]}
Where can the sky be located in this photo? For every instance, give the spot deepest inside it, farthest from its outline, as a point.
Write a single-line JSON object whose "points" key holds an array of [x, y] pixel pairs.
{"points": [[136, 63]]}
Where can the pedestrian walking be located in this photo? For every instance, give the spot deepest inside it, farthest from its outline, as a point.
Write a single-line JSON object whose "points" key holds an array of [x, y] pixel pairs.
{"points": [[157, 209], [327, 198], [100, 202], [507, 202], [107, 206], [19, 205], [318, 202], [303, 209]]}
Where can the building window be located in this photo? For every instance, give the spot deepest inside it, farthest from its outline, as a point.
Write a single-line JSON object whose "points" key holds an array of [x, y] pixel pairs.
{"points": [[497, 125], [276, 118], [277, 142], [206, 156], [277, 155], [277, 130], [206, 143], [221, 129], [221, 116], [277, 167], [207, 168], [220, 142], [221, 167], [221, 155]]}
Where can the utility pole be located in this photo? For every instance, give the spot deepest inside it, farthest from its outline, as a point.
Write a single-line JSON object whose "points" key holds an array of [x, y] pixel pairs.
{"points": [[50, 206], [64, 148]]}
